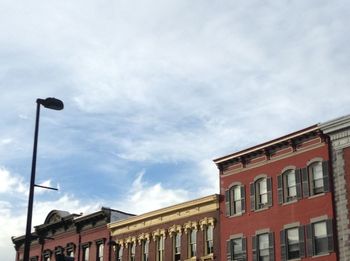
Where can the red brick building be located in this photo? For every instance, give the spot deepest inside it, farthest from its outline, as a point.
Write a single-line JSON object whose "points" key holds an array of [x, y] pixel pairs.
{"points": [[276, 200], [82, 237], [186, 231]]}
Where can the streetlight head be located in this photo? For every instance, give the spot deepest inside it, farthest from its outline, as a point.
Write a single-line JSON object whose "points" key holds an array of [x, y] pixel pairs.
{"points": [[51, 103]]}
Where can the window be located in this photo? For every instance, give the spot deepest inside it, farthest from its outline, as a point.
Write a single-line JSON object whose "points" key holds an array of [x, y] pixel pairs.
{"points": [[263, 247], [160, 248], [292, 243], [100, 248], [235, 200], [145, 250], [192, 243], [289, 186], [177, 247], [261, 194], [209, 246], [132, 249], [320, 238], [316, 174], [47, 255], [236, 249], [120, 250], [86, 253], [70, 249], [70, 253], [315, 178]]}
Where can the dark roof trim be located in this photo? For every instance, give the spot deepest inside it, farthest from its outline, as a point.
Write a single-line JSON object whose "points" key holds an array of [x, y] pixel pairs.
{"points": [[267, 144]]}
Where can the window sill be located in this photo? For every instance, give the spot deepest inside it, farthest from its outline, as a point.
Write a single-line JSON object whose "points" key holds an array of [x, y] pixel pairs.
{"points": [[208, 257], [320, 255], [262, 209], [236, 215], [288, 203], [317, 195], [191, 258]]}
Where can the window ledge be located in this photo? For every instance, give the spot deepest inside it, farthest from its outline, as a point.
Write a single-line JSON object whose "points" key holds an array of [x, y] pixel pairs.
{"points": [[288, 203], [191, 258], [262, 209], [236, 215], [208, 257], [317, 195], [323, 254]]}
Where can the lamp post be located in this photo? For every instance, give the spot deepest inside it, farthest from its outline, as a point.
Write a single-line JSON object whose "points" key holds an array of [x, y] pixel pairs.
{"points": [[54, 104]]}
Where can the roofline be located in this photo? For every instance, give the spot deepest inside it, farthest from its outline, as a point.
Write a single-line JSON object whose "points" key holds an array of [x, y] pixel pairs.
{"points": [[267, 144], [158, 212], [335, 124], [98, 213]]}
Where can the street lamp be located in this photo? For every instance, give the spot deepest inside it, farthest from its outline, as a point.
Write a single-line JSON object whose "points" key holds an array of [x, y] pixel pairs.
{"points": [[54, 104]]}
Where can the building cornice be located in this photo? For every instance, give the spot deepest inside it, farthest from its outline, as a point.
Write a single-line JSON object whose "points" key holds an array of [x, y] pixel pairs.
{"points": [[161, 216], [264, 146], [335, 125]]}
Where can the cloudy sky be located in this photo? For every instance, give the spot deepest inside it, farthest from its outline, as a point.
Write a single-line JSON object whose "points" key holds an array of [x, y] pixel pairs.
{"points": [[155, 90]]}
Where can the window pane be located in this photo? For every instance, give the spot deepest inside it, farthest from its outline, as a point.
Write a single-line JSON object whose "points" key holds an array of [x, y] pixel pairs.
{"points": [[120, 253], [263, 241], [145, 250], [317, 170], [293, 243], [291, 178], [237, 193], [237, 245], [262, 186], [320, 229], [238, 206], [263, 199], [318, 183], [293, 235], [320, 237]]}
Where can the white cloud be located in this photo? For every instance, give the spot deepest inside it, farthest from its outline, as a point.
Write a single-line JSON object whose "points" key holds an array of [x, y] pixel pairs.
{"points": [[11, 183], [159, 82], [144, 197]]}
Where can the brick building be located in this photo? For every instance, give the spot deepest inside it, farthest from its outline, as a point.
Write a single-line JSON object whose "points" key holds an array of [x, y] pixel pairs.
{"points": [[187, 231], [78, 236], [277, 200]]}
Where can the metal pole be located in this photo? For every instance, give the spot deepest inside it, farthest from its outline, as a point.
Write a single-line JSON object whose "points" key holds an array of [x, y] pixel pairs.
{"points": [[31, 189]]}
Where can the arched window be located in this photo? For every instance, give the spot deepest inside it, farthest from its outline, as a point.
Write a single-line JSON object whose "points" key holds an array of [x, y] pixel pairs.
{"points": [[315, 178], [261, 193], [235, 200], [289, 186]]}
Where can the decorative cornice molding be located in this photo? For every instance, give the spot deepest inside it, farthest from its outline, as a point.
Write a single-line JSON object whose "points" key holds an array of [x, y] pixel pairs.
{"points": [[165, 215], [205, 222], [267, 145], [130, 240], [175, 229], [158, 233], [335, 125], [142, 237], [190, 225]]}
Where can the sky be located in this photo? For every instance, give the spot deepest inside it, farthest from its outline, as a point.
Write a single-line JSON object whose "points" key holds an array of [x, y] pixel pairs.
{"points": [[153, 91]]}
